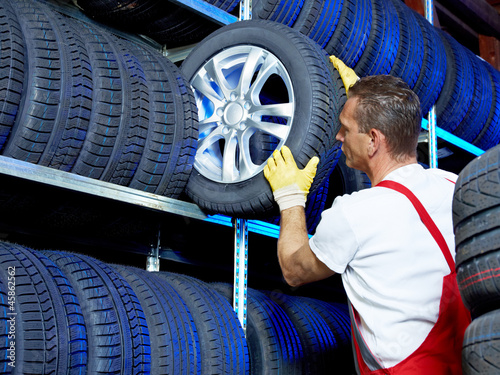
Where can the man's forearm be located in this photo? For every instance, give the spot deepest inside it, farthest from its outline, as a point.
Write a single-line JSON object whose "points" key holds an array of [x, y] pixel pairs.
{"points": [[293, 237], [298, 262]]}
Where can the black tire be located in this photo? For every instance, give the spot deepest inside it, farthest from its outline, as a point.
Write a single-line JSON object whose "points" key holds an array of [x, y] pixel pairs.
{"points": [[46, 323], [315, 118], [408, 61], [317, 19], [481, 345], [456, 95], [178, 26], [316, 337], [54, 113], [349, 39], [167, 161], [380, 52], [482, 97], [129, 15], [490, 135], [432, 74], [110, 115], [336, 316], [117, 330], [222, 341], [273, 342], [282, 11], [476, 220], [174, 340], [12, 65], [131, 139]]}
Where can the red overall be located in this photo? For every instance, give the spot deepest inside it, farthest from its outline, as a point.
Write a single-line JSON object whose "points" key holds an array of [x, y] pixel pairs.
{"points": [[440, 353]]}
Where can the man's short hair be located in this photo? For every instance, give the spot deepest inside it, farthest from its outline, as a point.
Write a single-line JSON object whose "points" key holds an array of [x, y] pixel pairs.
{"points": [[388, 104]]}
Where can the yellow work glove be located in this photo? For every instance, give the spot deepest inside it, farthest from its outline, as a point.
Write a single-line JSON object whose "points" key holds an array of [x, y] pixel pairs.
{"points": [[290, 185], [348, 75]]}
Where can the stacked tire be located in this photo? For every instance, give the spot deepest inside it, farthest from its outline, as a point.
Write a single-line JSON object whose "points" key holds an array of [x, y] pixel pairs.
{"points": [[68, 313], [77, 98], [476, 219]]}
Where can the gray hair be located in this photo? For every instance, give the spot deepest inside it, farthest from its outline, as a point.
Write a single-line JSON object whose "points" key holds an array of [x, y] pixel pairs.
{"points": [[387, 103]]}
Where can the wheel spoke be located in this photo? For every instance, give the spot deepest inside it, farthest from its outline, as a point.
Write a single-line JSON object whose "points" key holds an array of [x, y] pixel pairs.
{"points": [[248, 71], [284, 110], [212, 138], [246, 165], [277, 130], [229, 157], [268, 68], [215, 72], [207, 90]]}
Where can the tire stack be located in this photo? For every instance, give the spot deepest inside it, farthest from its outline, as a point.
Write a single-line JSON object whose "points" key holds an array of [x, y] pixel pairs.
{"points": [[68, 313], [75, 97], [476, 219], [387, 37], [163, 21]]}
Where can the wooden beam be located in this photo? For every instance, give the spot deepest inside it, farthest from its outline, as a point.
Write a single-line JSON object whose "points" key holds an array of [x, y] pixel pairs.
{"points": [[489, 49], [478, 14]]}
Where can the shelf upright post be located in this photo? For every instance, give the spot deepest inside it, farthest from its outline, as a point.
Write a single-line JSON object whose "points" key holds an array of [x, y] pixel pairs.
{"points": [[240, 270], [241, 233], [153, 259], [432, 134]]}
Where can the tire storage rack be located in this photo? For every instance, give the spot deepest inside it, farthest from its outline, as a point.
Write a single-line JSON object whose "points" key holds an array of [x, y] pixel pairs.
{"points": [[126, 192]]}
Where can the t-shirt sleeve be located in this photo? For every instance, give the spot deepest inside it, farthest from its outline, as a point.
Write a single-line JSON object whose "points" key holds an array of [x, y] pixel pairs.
{"points": [[334, 242]]}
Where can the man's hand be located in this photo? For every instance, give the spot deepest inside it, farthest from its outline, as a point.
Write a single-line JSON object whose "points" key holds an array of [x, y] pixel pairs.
{"points": [[348, 75], [290, 185]]}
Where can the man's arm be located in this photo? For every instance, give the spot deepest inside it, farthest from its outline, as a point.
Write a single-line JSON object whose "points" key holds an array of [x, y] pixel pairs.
{"points": [[297, 261]]}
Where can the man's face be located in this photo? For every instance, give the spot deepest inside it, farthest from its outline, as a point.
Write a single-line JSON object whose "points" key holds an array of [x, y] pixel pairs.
{"points": [[355, 145]]}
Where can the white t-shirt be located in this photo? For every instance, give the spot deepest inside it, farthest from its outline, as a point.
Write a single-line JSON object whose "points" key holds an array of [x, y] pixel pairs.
{"points": [[392, 269]]}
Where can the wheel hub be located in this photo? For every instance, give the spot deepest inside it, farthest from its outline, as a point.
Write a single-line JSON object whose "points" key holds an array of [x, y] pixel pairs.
{"points": [[233, 114]]}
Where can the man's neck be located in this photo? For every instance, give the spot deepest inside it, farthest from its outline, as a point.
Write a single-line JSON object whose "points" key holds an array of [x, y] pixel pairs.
{"points": [[380, 169]]}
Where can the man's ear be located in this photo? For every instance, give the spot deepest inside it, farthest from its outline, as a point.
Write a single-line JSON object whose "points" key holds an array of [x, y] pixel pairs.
{"points": [[377, 140]]}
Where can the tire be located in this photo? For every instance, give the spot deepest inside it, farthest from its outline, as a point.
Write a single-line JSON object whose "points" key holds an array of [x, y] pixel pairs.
{"points": [[476, 218], [380, 52], [54, 113], [172, 131], [456, 95], [349, 39], [222, 341], [12, 66], [490, 134], [46, 323], [311, 125], [317, 20], [336, 316], [317, 339], [174, 339], [117, 330], [482, 97], [282, 11], [273, 342], [178, 26], [129, 15], [481, 345], [408, 61], [432, 74]]}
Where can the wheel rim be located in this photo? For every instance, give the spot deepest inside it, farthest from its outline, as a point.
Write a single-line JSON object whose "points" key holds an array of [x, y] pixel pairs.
{"points": [[245, 111]]}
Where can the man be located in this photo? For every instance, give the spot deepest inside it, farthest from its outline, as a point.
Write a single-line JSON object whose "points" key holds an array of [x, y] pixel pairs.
{"points": [[390, 243]]}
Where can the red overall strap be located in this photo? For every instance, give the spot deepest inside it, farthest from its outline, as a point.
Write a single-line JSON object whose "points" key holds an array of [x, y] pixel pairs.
{"points": [[425, 217]]}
